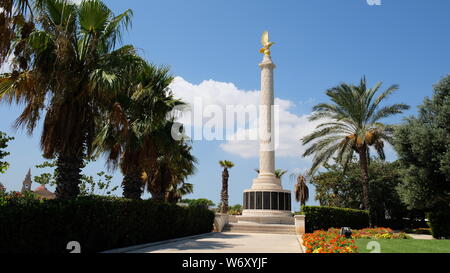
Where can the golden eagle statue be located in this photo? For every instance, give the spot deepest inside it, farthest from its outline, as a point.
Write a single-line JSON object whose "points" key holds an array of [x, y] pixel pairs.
{"points": [[266, 43]]}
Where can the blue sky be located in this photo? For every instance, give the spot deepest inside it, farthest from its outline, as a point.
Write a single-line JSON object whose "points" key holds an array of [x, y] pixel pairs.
{"points": [[320, 43]]}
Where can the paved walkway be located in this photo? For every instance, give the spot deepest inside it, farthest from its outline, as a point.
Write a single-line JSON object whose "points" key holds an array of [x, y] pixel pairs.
{"points": [[421, 236], [228, 243]]}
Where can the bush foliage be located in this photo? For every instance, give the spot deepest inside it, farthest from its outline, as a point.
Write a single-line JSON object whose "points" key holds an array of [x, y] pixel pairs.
{"points": [[323, 218], [440, 223], [97, 223]]}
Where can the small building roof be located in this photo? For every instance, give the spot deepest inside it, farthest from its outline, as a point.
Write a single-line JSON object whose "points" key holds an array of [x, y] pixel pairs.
{"points": [[43, 193]]}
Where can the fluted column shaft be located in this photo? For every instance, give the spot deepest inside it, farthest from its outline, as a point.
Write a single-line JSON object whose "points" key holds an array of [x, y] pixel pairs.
{"points": [[266, 119]]}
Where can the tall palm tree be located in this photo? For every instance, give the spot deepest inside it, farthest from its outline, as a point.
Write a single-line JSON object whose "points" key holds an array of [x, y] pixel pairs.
{"points": [[225, 164], [352, 125], [129, 135], [74, 72], [301, 189]]}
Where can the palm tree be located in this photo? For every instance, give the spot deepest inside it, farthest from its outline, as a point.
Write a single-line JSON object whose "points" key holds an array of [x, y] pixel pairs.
{"points": [[279, 173], [225, 164], [301, 189], [176, 192], [16, 22], [141, 116], [174, 164], [352, 125], [74, 71]]}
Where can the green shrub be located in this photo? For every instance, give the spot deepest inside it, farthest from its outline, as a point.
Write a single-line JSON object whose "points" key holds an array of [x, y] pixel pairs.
{"points": [[440, 222], [323, 218], [97, 223]]}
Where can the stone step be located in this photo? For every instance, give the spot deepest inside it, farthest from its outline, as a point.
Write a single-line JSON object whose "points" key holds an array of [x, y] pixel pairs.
{"points": [[259, 228]]}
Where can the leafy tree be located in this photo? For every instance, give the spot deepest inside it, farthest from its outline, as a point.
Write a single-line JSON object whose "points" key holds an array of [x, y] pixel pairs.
{"points": [[74, 71], [88, 186], [47, 178], [198, 202], [338, 188], [352, 125], [4, 139], [235, 210], [423, 146], [225, 164], [100, 186]]}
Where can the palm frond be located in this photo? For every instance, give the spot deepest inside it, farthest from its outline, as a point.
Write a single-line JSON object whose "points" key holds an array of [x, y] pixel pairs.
{"points": [[388, 111], [351, 123], [226, 164]]}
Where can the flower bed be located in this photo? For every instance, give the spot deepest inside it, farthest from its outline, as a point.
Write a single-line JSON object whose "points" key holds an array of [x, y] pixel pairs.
{"points": [[331, 242], [328, 242], [378, 233]]}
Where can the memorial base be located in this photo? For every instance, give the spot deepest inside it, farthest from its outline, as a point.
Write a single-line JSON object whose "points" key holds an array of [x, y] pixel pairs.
{"points": [[280, 220], [267, 207]]}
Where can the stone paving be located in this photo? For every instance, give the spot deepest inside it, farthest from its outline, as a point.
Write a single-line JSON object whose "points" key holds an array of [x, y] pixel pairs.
{"points": [[421, 236], [227, 243]]}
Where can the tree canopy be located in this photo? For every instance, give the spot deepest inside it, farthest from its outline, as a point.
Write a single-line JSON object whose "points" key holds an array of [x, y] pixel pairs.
{"points": [[423, 146], [338, 188]]}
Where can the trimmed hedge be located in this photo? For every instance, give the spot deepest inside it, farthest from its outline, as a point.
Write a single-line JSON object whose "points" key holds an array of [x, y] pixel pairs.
{"points": [[323, 218], [97, 223], [440, 222]]}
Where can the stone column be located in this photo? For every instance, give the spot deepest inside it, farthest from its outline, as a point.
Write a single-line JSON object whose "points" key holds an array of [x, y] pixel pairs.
{"points": [[266, 201], [266, 132], [266, 179]]}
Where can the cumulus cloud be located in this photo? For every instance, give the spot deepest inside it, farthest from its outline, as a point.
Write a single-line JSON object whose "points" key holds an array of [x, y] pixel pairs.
{"points": [[292, 127]]}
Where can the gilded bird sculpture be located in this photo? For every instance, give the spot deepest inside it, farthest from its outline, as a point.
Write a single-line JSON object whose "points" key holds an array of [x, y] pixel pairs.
{"points": [[266, 44]]}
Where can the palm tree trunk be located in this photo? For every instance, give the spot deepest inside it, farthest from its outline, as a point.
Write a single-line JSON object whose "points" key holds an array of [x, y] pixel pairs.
{"points": [[68, 169], [224, 194], [159, 184], [364, 165], [132, 186], [160, 196]]}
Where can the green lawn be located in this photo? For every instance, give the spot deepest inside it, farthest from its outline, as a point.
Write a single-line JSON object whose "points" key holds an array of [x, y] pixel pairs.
{"points": [[406, 246]]}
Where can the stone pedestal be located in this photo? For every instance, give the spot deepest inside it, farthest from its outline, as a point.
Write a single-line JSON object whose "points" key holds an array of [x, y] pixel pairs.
{"points": [[266, 202], [300, 224]]}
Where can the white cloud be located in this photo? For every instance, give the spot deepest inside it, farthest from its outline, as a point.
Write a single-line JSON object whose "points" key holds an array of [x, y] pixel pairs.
{"points": [[6, 67], [292, 127]]}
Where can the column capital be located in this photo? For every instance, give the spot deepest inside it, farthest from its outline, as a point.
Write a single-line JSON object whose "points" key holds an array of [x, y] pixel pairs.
{"points": [[267, 62]]}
